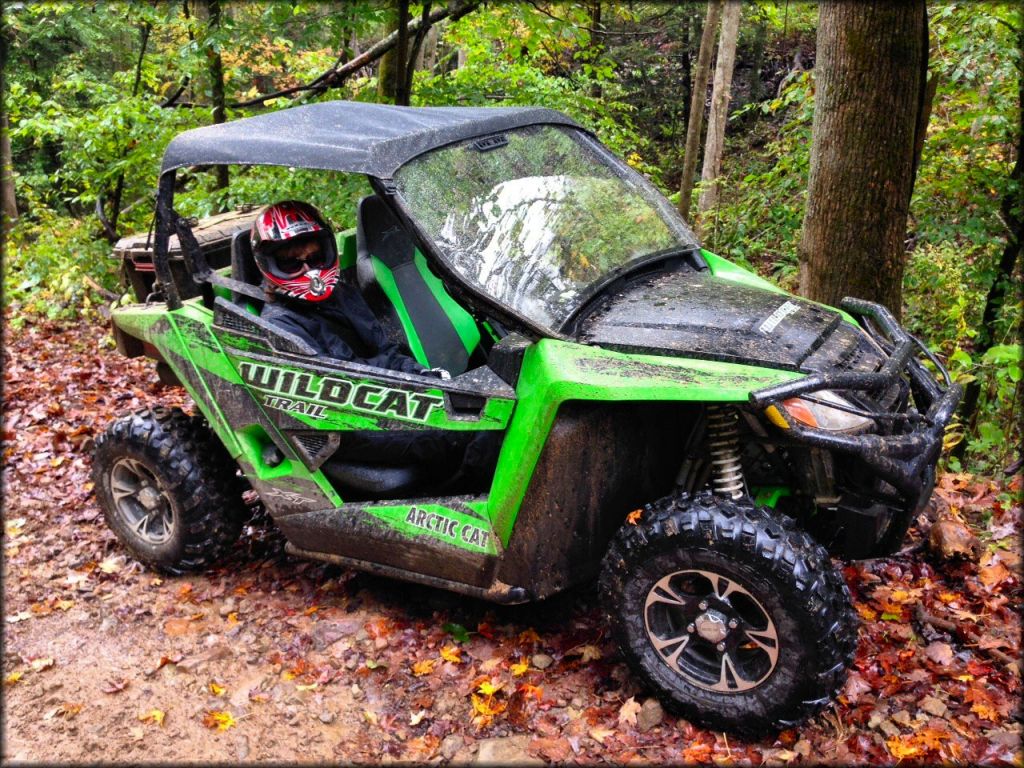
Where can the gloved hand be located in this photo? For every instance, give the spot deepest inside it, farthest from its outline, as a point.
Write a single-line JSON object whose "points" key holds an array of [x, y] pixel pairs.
{"points": [[439, 373]]}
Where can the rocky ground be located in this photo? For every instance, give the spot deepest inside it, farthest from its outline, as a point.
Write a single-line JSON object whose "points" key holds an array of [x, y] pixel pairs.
{"points": [[268, 658]]}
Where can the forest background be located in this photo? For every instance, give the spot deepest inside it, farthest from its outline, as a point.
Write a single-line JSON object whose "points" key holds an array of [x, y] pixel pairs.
{"points": [[106, 661], [94, 91]]}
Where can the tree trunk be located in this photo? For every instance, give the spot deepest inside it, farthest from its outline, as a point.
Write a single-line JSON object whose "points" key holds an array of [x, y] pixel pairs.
{"points": [[403, 86], [216, 71], [10, 206], [720, 92], [596, 41], [391, 69], [427, 58], [868, 81], [697, 97]]}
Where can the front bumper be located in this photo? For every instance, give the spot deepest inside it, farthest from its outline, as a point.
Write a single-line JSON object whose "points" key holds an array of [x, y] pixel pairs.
{"points": [[906, 460]]}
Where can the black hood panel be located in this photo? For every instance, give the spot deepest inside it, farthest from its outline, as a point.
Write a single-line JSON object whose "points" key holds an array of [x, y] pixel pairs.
{"points": [[695, 314]]}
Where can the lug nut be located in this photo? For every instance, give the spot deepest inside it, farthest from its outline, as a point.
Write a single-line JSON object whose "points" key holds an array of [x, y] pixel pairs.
{"points": [[690, 628], [703, 605], [733, 623], [720, 647]]}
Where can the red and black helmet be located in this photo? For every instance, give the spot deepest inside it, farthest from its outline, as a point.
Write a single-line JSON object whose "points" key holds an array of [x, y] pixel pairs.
{"points": [[279, 227]]}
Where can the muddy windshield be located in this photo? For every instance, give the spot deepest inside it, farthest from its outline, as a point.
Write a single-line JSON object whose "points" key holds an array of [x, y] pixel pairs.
{"points": [[538, 216]]}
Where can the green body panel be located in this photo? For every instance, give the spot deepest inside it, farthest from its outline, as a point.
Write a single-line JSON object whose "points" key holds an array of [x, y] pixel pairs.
{"points": [[726, 270], [464, 324], [468, 529], [555, 372]]}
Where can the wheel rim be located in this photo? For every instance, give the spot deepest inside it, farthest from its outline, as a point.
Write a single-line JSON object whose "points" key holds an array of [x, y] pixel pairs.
{"points": [[710, 630], [139, 501]]}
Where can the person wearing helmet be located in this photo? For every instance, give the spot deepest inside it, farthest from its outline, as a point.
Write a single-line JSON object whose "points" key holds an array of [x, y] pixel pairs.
{"points": [[294, 248], [295, 251]]}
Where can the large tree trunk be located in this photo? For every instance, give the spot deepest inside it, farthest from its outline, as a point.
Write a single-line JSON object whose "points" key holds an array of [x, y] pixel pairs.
{"points": [[697, 95], [868, 99], [216, 72], [721, 90]]}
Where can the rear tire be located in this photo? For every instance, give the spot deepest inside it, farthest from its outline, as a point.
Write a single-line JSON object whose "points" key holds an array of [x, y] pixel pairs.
{"points": [[734, 616], [168, 489]]}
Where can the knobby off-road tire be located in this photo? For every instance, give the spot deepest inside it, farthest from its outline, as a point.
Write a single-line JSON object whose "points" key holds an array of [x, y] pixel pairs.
{"points": [[168, 489], [735, 617]]}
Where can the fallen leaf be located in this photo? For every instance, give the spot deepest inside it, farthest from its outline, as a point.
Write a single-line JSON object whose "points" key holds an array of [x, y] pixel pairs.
{"points": [[68, 710], [585, 652], [64, 605], [939, 652], [902, 747], [13, 677], [634, 517], [488, 705], [38, 665], [528, 636], [110, 565], [520, 667], [216, 690], [452, 654], [153, 717], [416, 718], [310, 687], [600, 734], [219, 719], [457, 631], [993, 573], [424, 667], [487, 688], [115, 685], [628, 711]]}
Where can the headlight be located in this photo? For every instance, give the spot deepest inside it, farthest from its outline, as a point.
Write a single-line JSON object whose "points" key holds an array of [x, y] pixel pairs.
{"points": [[811, 411]]}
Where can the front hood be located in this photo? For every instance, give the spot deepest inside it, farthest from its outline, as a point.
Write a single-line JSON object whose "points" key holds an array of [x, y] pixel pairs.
{"points": [[695, 314]]}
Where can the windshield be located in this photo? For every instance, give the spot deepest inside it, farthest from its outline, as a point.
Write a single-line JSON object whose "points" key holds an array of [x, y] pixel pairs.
{"points": [[537, 216]]}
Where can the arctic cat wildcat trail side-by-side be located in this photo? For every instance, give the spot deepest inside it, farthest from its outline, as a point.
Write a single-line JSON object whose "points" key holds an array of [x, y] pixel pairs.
{"points": [[670, 424]]}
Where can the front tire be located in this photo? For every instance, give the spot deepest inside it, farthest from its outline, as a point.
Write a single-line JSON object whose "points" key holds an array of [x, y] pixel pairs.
{"points": [[168, 489], [734, 616]]}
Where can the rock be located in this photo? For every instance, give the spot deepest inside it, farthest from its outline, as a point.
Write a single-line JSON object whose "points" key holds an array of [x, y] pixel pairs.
{"points": [[650, 715], [327, 633], [933, 706], [327, 717], [227, 608], [241, 748], [541, 660], [949, 538], [451, 745], [506, 750]]}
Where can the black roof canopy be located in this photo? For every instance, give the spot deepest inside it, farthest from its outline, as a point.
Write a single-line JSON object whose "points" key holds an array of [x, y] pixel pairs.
{"points": [[348, 136]]}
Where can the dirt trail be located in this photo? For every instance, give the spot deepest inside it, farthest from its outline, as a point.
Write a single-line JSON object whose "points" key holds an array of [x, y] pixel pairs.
{"points": [[268, 658]]}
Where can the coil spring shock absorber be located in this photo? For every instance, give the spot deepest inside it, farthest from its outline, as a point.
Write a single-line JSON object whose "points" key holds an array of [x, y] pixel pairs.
{"points": [[723, 440]]}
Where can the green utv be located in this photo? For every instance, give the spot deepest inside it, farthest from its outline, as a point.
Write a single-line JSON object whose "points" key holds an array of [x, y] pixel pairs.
{"points": [[670, 424]]}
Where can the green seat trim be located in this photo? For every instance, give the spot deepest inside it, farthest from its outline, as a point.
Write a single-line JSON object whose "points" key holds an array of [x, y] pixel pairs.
{"points": [[463, 323]]}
